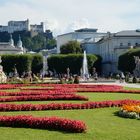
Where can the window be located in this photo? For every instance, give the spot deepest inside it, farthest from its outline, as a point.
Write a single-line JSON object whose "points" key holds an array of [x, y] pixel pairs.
{"points": [[136, 44], [121, 44]]}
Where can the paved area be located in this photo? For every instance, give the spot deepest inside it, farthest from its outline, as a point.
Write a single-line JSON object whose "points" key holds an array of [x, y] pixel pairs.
{"points": [[115, 83]]}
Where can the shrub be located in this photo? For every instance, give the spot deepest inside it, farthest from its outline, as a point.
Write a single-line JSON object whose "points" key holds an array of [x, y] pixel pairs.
{"points": [[60, 63], [23, 63], [71, 47], [126, 61], [37, 63]]}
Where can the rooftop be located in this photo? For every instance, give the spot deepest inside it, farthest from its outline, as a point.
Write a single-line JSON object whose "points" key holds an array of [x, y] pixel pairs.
{"points": [[128, 33], [86, 30]]}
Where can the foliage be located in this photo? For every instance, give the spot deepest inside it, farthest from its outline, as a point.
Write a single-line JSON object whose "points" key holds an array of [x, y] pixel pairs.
{"points": [[43, 123], [126, 61], [23, 63], [37, 63], [71, 47], [60, 63], [51, 43], [32, 41]]}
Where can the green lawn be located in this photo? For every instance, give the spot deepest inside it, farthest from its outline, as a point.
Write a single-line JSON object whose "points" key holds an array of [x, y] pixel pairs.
{"points": [[91, 96], [102, 124]]}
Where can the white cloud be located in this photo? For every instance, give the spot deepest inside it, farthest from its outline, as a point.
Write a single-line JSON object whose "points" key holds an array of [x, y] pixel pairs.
{"points": [[67, 15]]}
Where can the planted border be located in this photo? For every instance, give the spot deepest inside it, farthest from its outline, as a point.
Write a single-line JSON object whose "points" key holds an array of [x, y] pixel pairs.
{"points": [[51, 123], [44, 98], [64, 106]]}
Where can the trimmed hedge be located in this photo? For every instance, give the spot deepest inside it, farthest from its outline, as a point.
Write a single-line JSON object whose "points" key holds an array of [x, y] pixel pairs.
{"points": [[23, 63], [126, 61], [37, 63], [61, 62]]}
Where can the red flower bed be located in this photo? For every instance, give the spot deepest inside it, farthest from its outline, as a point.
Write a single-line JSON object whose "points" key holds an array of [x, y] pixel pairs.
{"points": [[59, 89], [107, 90], [33, 92], [78, 86], [11, 86], [64, 106], [53, 123], [84, 88], [44, 98]]}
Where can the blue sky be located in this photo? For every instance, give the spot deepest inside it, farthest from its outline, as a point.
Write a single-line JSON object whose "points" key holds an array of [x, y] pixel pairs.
{"points": [[67, 15]]}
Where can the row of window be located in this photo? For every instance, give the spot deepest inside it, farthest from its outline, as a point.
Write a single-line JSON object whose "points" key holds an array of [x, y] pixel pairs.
{"points": [[129, 44]]}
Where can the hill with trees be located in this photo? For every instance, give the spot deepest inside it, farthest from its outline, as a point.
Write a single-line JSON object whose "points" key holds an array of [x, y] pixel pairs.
{"points": [[32, 41]]}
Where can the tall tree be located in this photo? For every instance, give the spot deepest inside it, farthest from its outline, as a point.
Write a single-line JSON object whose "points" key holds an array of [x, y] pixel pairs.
{"points": [[71, 47]]}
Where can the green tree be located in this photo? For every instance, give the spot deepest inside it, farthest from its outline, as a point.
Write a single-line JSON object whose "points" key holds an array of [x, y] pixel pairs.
{"points": [[39, 42], [71, 47], [27, 41], [51, 43]]}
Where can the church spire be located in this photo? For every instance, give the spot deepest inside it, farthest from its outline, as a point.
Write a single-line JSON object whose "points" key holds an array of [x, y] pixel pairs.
{"points": [[11, 41], [19, 43]]}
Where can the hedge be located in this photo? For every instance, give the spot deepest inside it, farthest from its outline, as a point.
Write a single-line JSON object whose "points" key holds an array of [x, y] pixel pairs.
{"points": [[23, 63], [126, 61], [61, 62], [37, 63]]}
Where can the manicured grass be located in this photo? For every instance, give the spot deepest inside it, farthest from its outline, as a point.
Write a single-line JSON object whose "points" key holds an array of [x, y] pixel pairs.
{"points": [[102, 124], [130, 88], [91, 96]]}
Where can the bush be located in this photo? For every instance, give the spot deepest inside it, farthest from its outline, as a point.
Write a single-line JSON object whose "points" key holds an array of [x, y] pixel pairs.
{"points": [[127, 62], [23, 63], [71, 47], [37, 63], [60, 63]]}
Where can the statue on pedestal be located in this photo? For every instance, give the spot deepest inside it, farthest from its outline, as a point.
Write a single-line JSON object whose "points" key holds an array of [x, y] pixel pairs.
{"points": [[136, 71], [3, 77]]}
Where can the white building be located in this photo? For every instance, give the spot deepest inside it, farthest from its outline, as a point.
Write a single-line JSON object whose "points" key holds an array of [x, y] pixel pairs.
{"points": [[10, 48], [108, 46], [18, 26], [83, 36], [38, 28], [113, 45], [22, 26]]}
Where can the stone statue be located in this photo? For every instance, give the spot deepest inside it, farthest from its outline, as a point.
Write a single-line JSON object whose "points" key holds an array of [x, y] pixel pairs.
{"points": [[136, 71], [3, 77]]}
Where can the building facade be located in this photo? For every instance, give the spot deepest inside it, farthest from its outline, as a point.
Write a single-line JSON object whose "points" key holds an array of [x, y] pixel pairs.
{"points": [[38, 28], [108, 45], [10, 48], [112, 46], [84, 36], [22, 26]]}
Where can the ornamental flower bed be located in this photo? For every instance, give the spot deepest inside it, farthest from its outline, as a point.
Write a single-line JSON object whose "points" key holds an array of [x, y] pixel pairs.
{"points": [[11, 86], [44, 98], [64, 106], [131, 110], [111, 90], [78, 86], [60, 89], [103, 89], [51, 123], [33, 92]]}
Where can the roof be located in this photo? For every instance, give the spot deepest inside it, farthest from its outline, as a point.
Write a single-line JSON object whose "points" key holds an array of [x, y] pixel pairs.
{"points": [[7, 47], [128, 33], [86, 30]]}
